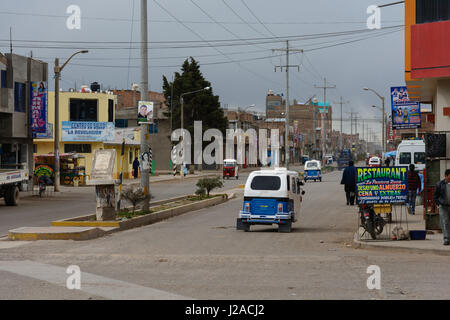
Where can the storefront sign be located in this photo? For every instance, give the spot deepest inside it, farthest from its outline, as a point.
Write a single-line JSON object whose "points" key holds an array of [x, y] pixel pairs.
{"points": [[381, 185], [87, 131], [405, 113], [38, 106], [46, 135]]}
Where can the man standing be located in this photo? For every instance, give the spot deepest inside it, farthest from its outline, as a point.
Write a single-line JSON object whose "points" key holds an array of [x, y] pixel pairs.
{"points": [[442, 199], [413, 185], [135, 167], [348, 179]]}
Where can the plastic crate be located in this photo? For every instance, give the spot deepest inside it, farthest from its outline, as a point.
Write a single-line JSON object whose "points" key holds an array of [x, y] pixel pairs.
{"points": [[418, 234]]}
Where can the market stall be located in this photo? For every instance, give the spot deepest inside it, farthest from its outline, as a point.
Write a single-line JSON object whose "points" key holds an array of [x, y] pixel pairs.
{"points": [[72, 167]]}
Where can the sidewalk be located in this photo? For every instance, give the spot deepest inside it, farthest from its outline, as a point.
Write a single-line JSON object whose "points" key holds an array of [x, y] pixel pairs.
{"points": [[432, 244]]}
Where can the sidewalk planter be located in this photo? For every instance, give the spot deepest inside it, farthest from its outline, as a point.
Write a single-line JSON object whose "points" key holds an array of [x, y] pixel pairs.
{"points": [[418, 234], [139, 221], [169, 213]]}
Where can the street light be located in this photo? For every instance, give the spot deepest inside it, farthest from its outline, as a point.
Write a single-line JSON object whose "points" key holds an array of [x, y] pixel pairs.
{"points": [[182, 119], [383, 139], [58, 71]]}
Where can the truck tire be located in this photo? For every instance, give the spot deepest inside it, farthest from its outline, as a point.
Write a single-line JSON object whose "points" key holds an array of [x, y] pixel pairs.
{"points": [[285, 227], [12, 196]]}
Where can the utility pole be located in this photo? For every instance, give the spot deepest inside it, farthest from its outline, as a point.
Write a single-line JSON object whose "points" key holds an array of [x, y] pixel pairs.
{"points": [[341, 121], [325, 87], [287, 66], [145, 180]]}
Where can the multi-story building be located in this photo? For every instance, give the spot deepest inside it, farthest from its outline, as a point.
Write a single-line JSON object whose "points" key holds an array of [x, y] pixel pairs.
{"points": [[160, 130], [427, 71], [16, 139], [79, 107]]}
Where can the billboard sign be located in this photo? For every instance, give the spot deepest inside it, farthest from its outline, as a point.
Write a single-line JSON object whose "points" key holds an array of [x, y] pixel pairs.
{"points": [[381, 185], [87, 131], [38, 106], [145, 112], [46, 135], [405, 113]]}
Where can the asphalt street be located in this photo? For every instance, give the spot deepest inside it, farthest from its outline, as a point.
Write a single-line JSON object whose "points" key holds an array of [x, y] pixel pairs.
{"points": [[201, 255], [33, 211]]}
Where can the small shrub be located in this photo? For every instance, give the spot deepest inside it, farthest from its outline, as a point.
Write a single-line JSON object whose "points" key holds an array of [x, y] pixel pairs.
{"points": [[134, 195], [208, 184]]}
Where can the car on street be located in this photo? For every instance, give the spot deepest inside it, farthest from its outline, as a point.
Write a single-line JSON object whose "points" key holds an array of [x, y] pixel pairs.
{"points": [[374, 162]]}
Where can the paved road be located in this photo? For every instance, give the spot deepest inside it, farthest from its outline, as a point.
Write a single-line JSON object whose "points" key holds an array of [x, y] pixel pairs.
{"points": [[201, 255], [36, 212]]}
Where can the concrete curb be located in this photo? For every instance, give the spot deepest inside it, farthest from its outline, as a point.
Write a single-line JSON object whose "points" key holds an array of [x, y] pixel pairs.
{"points": [[78, 228], [392, 246]]}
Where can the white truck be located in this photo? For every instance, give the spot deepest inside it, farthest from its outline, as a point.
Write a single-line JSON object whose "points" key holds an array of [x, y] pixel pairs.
{"points": [[11, 182], [411, 151]]}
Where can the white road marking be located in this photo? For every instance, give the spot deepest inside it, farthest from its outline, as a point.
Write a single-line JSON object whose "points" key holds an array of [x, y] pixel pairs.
{"points": [[90, 283]]}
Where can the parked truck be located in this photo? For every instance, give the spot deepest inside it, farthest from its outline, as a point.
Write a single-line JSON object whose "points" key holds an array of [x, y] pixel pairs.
{"points": [[344, 158], [11, 182]]}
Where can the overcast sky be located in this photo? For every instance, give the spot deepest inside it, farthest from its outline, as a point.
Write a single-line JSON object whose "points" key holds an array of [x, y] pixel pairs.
{"points": [[376, 62]]}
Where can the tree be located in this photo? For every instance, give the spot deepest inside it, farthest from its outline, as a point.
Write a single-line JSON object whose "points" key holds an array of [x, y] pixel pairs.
{"points": [[201, 106]]}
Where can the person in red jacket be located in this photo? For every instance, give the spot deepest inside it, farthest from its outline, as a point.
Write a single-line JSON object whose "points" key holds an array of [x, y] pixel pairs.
{"points": [[413, 185]]}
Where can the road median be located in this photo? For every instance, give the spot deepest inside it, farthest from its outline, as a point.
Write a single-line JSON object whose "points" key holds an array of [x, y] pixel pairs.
{"points": [[87, 228]]}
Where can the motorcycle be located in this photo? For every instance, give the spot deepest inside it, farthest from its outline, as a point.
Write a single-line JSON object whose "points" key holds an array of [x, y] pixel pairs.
{"points": [[371, 222], [43, 182]]}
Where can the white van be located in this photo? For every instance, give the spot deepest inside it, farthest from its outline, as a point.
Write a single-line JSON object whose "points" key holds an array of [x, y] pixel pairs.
{"points": [[411, 151]]}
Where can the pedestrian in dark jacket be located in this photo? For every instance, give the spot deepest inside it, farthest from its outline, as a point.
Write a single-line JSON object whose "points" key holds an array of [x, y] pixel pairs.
{"points": [[413, 185], [441, 198], [135, 167], [349, 180]]}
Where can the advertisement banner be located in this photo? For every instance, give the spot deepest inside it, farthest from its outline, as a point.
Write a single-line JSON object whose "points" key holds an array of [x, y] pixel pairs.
{"points": [[405, 113], [87, 131], [145, 112], [38, 106], [381, 185], [46, 135]]}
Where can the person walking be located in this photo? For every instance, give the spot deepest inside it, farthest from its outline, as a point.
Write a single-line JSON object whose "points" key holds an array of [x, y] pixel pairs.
{"points": [[348, 180], [135, 167], [441, 198], [387, 161], [413, 185]]}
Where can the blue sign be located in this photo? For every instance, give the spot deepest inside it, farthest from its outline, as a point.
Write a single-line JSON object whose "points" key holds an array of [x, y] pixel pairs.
{"points": [[381, 185], [38, 106], [405, 113], [87, 131]]}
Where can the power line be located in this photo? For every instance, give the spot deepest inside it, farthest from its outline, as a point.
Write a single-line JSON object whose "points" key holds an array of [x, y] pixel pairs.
{"points": [[274, 38], [118, 19], [256, 17], [200, 37], [242, 19]]}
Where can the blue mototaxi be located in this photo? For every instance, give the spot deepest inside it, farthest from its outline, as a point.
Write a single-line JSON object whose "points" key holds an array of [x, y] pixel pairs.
{"points": [[312, 171], [271, 197]]}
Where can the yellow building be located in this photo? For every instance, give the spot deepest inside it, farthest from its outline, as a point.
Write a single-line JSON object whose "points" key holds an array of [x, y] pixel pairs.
{"points": [[88, 107]]}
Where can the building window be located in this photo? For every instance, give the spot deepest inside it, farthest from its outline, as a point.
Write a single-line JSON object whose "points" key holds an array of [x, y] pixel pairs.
{"points": [[121, 123], [35, 148], [84, 110], [3, 79], [19, 97], [79, 148], [432, 10], [110, 110], [130, 157], [153, 127]]}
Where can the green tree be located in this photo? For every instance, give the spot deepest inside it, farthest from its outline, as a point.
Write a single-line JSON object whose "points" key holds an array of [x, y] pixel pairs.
{"points": [[201, 106]]}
